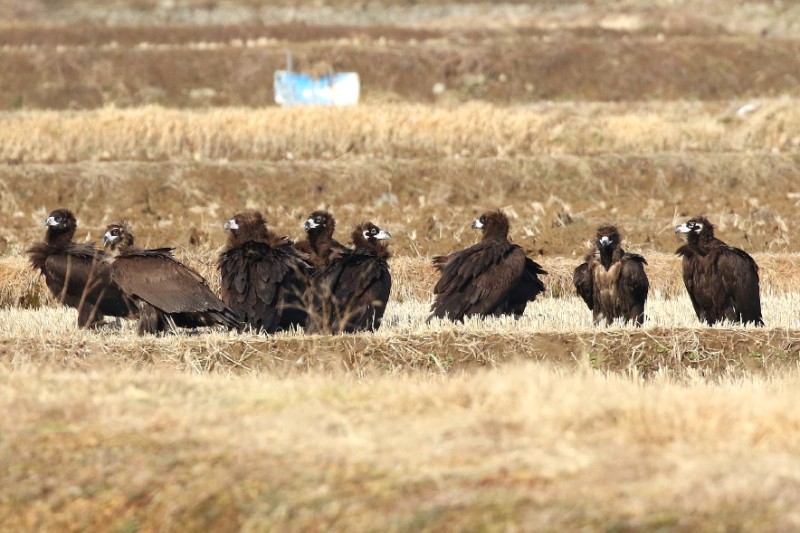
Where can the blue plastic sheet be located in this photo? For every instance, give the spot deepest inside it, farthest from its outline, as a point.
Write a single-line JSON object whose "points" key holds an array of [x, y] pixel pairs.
{"points": [[293, 88]]}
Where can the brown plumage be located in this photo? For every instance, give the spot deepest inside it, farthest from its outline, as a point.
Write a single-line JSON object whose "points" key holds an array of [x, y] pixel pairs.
{"points": [[167, 292], [263, 276], [612, 282], [722, 281], [320, 245], [493, 277], [76, 274], [350, 294]]}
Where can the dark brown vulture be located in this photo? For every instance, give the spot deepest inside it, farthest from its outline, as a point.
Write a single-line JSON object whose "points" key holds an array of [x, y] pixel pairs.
{"points": [[76, 274], [320, 244], [168, 293], [722, 281], [350, 294], [493, 277], [612, 282], [263, 276]]}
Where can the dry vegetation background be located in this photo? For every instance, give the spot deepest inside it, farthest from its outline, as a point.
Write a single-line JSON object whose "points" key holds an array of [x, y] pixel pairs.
{"points": [[568, 114]]}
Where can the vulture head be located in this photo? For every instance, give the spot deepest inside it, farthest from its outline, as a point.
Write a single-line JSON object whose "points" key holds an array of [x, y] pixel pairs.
{"points": [[246, 226], [696, 229], [118, 235], [494, 225], [320, 223], [61, 223], [369, 236], [607, 238]]}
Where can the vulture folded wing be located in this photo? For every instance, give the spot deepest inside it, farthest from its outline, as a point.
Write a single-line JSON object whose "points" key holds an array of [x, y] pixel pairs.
{"points": [[164, 283], [363, 288], [71, 277], [242, 286], [739, 274], [693, 282], [527, 288], [440, 261], [478, 279], [81, 272], [633, 286], [584, 284]]}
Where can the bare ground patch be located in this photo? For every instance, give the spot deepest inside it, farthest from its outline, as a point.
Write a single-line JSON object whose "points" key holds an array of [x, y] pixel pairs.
{"points": [[555, 202], [508, 69]]}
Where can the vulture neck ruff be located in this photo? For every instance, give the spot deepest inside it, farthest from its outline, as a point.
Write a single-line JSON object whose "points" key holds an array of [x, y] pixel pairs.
{"points": [[250, 227], [250, 233], [369, 246], [495, 227], [609, 255], [60, 237], [701, 243]]}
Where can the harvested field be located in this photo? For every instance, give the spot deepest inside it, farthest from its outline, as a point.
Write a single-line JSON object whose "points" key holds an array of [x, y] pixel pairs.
{"points": [[568, 115], [524, 447]]}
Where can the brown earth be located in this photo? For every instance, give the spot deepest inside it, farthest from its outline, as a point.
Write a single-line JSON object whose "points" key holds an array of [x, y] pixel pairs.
{"points": [[710, 353], [555, 202], [509, 69]]}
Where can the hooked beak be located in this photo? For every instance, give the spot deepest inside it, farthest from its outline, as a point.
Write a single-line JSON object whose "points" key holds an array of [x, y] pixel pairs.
{"points": [[309, 224], [477, 224], [231, 225], [604, 241], [108, 238], [383, 235], [683, 228], [51, 221]]}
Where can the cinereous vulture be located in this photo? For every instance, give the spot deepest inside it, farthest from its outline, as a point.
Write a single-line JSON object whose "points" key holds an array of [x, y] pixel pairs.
{"points": [[319, 244], [76, 274], [168, 293], [263, 276], [612, 282], [493, 277], [722, 281], [350, 294]]}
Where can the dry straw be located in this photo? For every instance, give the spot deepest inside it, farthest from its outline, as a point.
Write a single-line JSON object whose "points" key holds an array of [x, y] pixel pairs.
{"points": [[393, 130], [414, 277]]}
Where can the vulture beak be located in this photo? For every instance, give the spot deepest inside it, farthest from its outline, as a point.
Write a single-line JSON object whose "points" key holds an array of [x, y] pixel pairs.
{"points": [[383, 235], [309, 224], [231, 225], [108, 238], [604, 241], [477, 224], [683, 228], [50, 222]]}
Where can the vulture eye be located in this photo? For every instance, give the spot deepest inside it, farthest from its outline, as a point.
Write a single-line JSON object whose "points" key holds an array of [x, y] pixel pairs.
{"points": [[483, 220], [115, 232], [373, 231], [318, 219]]}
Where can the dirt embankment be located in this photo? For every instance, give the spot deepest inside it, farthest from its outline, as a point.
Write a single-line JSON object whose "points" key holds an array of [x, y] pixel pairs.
{"points": [[512, 69]]}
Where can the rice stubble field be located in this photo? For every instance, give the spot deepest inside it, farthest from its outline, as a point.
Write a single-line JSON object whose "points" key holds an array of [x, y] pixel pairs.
{"points": [[567, 115]]}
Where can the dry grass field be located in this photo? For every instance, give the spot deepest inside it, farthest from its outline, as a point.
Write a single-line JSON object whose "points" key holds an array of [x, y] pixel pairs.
{"points": [[566, 114]]}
